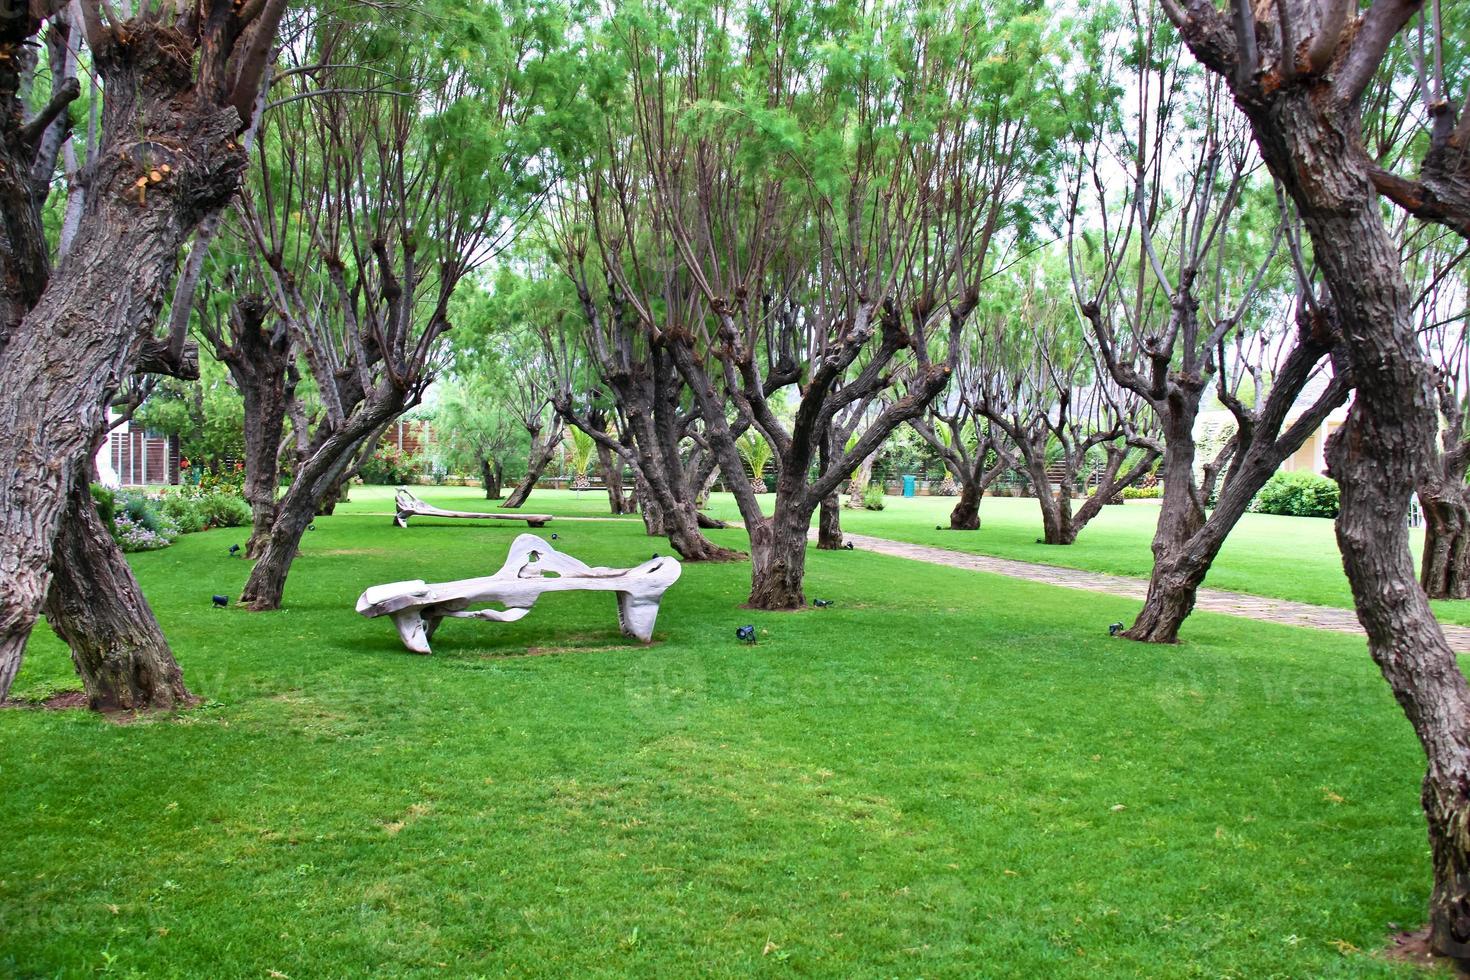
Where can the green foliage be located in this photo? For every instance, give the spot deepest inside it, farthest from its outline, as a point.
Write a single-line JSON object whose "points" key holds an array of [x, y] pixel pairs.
{"points": [[1143, 493], [873, 497], [140, 522], [391, 465], [584, 451], [207, 415], [756, 452], [198, 482], [1297, 495], [187, 513], [106, 502], [223, 510]]}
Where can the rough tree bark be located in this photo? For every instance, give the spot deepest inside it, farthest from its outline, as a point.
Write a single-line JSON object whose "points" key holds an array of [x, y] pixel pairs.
{"points": [[97, 609], [315, 478], [1307, 127], [829, 513], [1444, 571], [258, 361], [169, 157]]}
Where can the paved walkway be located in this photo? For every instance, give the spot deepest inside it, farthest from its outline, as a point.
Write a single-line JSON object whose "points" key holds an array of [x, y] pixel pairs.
{"points": [[1210, 600]]}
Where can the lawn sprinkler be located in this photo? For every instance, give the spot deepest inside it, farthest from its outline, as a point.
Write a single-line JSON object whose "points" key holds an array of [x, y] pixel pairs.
{"points": [[1115, 629], [746, 634], [848, 546], [821, 603], [554, 536], [220, 601], [311, 527], [234, 551]]}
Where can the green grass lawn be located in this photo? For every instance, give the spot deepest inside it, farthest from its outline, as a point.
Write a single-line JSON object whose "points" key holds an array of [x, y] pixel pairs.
{"points": [[945, 774]]}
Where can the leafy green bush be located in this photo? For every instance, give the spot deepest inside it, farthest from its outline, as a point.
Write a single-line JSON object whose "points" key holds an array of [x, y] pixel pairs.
{"points": [[392, 466], [185, 512], [1143, 493], [224, 510], [106, 503], [1297, 495], [873, 497]]}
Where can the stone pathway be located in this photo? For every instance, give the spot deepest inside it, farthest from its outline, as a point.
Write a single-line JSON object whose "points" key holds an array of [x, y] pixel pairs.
{"points": [[1210, 600]]}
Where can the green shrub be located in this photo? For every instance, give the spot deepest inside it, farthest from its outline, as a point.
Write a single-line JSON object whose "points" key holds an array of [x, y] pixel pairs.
{"points": [[185, 512], [140, 524], [392, 466], [1297, 495], [224, 510], [1143, 493], [106, 503], [873, 497]]}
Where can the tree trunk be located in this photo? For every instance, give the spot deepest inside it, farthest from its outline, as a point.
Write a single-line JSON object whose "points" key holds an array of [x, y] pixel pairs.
{"points": [[1055, 503], [97, 609], [1387, 442], [611, 466], [61, 366], [1444, 572], [542, 453], [490, 479], [859, 483], [966, 513], [266, 586], [778, 557], [258, 361], [648, 508], [319, 475], [829, 519], [829, 524]]}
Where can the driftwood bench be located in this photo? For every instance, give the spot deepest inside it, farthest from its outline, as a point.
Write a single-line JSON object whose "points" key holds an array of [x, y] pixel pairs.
{"points": [[532, 569], [408, 506]]}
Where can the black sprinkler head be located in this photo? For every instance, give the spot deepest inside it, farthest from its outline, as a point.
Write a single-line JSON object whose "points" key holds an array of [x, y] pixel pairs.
{"points": [[821, 603], [220, 601], [746, 633], [1115, 629]]}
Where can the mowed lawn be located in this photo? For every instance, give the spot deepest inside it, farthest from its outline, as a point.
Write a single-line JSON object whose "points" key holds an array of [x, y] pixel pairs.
{"points": [[944, 774]]}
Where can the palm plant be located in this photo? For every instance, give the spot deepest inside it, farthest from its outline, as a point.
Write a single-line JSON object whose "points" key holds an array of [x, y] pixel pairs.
{"points": [[757, 454], [583, 449]]}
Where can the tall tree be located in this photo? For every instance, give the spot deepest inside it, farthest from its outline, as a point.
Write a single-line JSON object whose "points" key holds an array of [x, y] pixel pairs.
{"points": [[1185, 265], [807, 198], [370, 208], [1298, 71], [179, 86]]}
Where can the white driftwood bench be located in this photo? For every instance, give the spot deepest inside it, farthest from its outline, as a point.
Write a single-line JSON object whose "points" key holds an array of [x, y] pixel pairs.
{"points": [[408, 505], [532, 568]]}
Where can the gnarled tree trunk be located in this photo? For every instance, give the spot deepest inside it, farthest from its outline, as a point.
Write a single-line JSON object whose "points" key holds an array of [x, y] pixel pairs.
{"points": [[97, 609], [316, 477], [543, 450], [65, 358], [1308, 131]]}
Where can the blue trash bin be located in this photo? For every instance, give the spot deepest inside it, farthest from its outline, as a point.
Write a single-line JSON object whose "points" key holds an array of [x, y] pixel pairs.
{"points": [[909, 483]]}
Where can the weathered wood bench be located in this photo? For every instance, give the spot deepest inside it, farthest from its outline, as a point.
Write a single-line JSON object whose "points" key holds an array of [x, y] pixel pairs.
{"points": [[532, 569], [409, 506]]}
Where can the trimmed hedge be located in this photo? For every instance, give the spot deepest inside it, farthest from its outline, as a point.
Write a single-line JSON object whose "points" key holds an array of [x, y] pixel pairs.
{"points": [[1297, 495]]}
